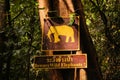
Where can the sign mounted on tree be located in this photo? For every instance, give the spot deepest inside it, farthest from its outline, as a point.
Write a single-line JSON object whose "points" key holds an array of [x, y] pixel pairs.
{"points": [[59, 34]]}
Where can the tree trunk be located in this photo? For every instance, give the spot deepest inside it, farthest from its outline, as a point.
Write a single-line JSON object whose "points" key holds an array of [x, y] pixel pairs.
{"points": [[54, 8], [2, 45], [10, 48], [93, 70]]}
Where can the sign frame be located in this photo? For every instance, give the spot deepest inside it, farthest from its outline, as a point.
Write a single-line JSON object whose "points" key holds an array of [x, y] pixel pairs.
{"points": [[62, 45]]}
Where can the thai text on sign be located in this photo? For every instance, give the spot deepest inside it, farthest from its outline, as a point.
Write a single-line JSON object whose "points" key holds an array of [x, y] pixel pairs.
{"points": [[61, 61]]}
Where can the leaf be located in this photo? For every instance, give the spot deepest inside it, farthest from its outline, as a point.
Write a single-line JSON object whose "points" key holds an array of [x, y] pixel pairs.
{"points": [[72, 19]]}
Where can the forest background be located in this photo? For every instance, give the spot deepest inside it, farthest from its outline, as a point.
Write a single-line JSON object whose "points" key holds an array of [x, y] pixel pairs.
{"points": [[20, 37]]}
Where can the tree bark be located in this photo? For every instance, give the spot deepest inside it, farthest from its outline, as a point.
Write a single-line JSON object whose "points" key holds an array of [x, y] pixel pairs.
{"points": [[2, 24], [63, 8], [93, 70], [10, 48]]}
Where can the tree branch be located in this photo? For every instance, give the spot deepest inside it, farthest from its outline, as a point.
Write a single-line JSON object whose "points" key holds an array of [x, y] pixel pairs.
{"points": [[105, 21], [19, 14]]}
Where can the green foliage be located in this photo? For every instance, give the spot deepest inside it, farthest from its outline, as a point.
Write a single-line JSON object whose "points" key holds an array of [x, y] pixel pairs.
{"points": [[107, 47], [23, 37], [72, 18]]}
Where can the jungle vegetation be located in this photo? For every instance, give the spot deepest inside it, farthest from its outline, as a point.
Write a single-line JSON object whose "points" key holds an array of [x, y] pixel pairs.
{"points": [[20, 37]]}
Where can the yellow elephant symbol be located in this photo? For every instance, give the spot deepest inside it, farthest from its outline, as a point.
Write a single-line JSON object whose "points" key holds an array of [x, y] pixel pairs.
{"points": [[62, 30]]}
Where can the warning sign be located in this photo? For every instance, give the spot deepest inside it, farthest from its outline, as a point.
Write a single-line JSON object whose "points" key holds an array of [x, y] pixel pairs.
{"points": [[60, 61], [59, 35]]}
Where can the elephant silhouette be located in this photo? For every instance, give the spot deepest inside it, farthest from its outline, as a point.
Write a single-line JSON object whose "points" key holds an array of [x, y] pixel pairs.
{"points": [[62, 30]]}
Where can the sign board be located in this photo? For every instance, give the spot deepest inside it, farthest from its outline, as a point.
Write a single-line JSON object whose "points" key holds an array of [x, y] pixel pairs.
{"points": [[60, 61], [58, 35]]}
